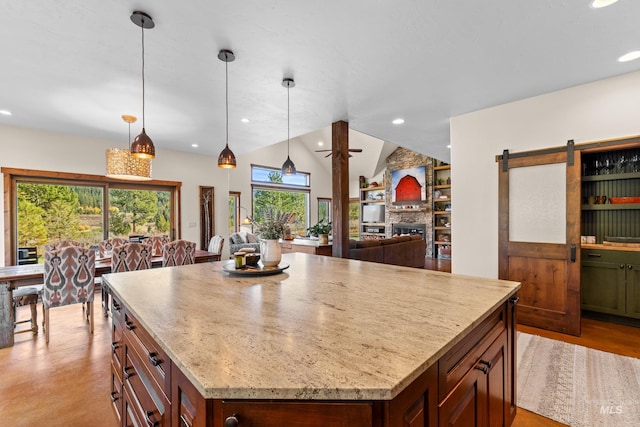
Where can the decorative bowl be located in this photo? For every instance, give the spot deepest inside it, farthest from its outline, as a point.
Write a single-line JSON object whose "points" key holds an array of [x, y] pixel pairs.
{"points": [[623, 200]]}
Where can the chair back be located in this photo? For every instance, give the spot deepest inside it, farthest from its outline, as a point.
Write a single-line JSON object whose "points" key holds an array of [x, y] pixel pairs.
{"points": [[215, 244], [130, 257], [178, 252], [50, 246], [68, 276], [107, 245], [157, 242]]}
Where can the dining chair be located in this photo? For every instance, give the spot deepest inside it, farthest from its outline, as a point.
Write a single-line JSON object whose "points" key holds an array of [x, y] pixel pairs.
{"points": [[105, 249], [215, 246], [157, 242], [68, 279], [126, 257], [27, 295], [178, 252], [106, 246], [130, 257]]}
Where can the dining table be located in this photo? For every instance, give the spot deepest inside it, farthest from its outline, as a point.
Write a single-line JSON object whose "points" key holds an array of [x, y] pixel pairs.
{"points": [[14, 276]]}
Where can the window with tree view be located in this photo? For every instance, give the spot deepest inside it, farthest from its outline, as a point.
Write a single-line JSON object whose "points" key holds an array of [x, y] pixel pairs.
{"points": [[282, 193], [57, 209]]}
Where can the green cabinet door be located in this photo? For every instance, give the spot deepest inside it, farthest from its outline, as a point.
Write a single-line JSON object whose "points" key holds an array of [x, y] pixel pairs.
{"points": [[633, 290], [603, 287]]}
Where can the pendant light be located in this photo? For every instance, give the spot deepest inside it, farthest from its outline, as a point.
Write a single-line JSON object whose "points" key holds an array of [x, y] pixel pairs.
{"points": [[288, 168], [122, 165], [142, 146], [226, 159]]}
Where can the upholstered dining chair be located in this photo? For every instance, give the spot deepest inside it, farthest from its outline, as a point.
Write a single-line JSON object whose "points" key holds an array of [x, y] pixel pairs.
{"points": [[178, 252], [106, 246], [105, 249], [130, 257], [215, 246], [157, 242], [68, 279]]}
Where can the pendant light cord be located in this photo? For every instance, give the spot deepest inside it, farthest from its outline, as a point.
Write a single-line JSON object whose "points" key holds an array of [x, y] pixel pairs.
{"points": [[226, 96], [288, 84], [142, 28]]}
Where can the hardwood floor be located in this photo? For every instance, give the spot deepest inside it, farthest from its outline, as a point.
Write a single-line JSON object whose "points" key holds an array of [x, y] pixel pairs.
{"points": [[63, 383], [437, 264], [67, 382]]}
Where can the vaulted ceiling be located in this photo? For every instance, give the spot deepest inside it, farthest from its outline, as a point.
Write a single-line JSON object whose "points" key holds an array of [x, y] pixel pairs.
{"points": [[75, 65]]}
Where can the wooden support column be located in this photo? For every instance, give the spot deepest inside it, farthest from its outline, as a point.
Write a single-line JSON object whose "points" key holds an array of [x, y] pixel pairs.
{"points": [[340, 188]]}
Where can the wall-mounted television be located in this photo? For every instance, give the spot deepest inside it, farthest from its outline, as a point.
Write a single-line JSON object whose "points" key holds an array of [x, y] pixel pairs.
{"points": [[373, 213]]}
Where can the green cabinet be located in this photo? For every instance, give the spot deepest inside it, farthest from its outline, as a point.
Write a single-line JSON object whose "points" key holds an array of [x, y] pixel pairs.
{"points": [[610, 282]]}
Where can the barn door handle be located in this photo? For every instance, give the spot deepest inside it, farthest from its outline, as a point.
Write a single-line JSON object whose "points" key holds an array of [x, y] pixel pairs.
{"points": [[573, 253]]}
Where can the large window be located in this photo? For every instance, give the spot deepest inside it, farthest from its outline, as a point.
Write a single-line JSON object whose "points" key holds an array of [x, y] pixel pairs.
{"points": [[44, 206], [289, 194]]}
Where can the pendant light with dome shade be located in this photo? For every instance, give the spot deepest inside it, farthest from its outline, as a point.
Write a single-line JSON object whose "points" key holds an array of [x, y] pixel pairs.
{"points": [[122, 165], [288, 168], [142, 146], [226, 159]]}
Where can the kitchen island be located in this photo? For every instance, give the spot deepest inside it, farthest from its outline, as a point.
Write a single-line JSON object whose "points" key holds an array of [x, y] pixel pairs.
{"points": [[329, 341]]}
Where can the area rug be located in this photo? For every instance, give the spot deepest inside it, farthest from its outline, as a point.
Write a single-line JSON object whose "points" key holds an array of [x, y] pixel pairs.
{"points": [[575, 385]]}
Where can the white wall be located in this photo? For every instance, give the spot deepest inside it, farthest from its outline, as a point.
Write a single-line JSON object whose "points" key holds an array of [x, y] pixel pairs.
{"points": [[601, 110], [50, 151]]}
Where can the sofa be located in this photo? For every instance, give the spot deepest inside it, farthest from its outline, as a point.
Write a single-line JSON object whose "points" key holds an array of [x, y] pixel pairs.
{"points": [[243, 240], [408, 251]]}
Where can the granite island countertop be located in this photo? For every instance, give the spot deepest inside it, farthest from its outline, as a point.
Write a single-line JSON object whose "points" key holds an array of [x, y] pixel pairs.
{"points": [[325, 328]]}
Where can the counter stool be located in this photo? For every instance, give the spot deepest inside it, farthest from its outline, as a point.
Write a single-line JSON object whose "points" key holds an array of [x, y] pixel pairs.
{"points": [[27, 295]]}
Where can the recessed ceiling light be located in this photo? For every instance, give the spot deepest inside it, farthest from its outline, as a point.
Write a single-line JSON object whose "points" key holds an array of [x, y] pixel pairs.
{"points": [[244, 120], [320, 143], [629, 56], [398, 121], [449, 146], [194, 145], [602, 3], [5, 112]]}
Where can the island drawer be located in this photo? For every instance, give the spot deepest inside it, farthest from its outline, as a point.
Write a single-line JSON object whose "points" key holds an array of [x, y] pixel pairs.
{"points": [[282, 413], [145, 399], [153, 358], [454, 365]]}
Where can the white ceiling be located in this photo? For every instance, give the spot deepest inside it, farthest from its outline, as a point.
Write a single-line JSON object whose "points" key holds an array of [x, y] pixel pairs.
{"points": [[75, 65]]}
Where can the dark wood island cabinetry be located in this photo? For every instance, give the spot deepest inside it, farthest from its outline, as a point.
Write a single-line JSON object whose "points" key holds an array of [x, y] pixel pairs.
{"points": [[193, 346]]}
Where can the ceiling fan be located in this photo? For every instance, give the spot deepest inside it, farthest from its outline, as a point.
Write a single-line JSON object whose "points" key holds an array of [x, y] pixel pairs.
{"points": [[351, 150]]}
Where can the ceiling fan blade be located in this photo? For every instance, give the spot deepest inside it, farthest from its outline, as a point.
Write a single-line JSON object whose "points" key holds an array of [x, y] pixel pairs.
{"points": [[355, 150], [328, 155], [322, 151]]}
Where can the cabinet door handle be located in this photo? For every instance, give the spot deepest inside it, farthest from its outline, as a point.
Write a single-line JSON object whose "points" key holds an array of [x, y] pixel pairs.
{"points": [[231, 421], [151, 422], [154, 359], [116, 306], [487, 363], [630, 267], [114, 396], [127, 374], [482, 368], [129, 325], [184, 422], [114, 345], [621, 265], [594, 255]]}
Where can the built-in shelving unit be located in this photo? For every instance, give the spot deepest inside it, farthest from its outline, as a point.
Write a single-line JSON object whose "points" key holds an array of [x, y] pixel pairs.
{"points": [[442, 243], [608, 174], [372, 224]]}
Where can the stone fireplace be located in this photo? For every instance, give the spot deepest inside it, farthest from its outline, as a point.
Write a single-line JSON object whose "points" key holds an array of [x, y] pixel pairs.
{"points": [[418, 217]]}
